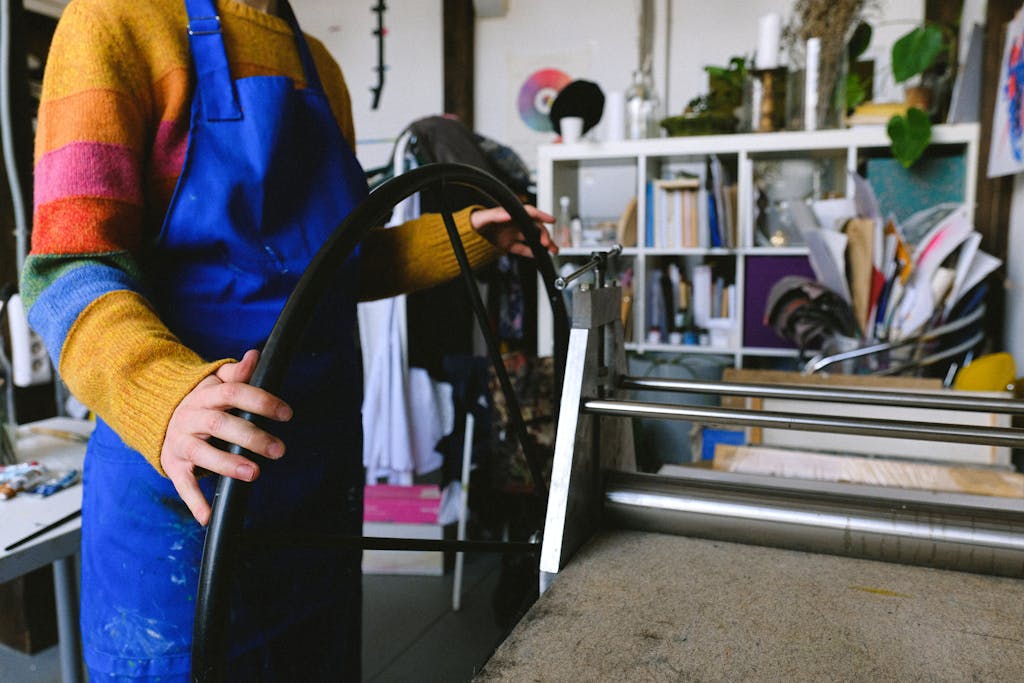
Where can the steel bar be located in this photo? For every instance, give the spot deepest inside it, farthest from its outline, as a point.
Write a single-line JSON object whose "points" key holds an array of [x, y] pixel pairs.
{"points": [[70, 645], [961, 348], [819, 363], [982, 538], [259, 542], [894, 398], [925, 431]]}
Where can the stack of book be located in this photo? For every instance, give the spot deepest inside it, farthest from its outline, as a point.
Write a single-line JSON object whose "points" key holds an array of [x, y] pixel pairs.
{"points": [[696, 210]]}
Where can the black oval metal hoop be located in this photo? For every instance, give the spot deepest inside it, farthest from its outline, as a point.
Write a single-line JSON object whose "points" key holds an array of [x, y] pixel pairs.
{"points": [[210, 642]]}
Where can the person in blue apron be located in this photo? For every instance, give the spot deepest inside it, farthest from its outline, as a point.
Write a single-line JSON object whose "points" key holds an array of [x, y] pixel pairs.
{"points": [[263, 172]]}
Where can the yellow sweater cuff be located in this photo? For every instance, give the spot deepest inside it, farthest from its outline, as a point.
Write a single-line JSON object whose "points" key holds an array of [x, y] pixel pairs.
{"points": [[417, 255], [122, 361]]}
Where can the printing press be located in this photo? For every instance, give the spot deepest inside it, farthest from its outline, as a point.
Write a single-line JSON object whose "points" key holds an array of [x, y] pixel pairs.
{"points": [[708, 575]]}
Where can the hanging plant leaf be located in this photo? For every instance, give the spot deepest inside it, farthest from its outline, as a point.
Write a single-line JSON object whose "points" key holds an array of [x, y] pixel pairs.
{"points": [[859, 41], [855, 92], [916, 51], [910, 135]]}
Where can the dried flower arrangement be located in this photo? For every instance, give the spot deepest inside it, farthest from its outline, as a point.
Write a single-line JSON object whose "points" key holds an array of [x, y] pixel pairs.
{"points": [[833, 22]]}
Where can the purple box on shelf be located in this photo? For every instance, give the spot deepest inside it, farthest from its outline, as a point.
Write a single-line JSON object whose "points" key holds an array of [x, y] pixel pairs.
{"points": [[762, 273]]}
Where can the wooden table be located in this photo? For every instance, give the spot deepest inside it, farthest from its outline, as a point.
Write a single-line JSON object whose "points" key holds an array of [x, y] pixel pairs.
{"points": [[26, 513]]}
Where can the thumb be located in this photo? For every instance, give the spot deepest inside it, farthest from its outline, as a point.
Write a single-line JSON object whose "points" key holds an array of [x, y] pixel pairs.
{"points": [[241, 371]]}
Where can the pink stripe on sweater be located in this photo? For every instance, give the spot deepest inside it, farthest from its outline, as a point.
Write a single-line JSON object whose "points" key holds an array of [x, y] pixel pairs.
{"points": [[88, 169], [169, 148]]}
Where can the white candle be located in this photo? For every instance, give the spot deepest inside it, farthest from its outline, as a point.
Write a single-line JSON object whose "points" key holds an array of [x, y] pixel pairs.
{"points": [[769, 28], [811, 84], [614, 115]]}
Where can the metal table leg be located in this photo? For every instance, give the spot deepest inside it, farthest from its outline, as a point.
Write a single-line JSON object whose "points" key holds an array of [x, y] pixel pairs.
{"points": [[67, 619]]}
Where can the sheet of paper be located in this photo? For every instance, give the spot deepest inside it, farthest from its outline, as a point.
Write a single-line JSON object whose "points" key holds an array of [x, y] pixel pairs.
{"points": [[827, 250], [918, 226], [941, 241], [864, 198], [832, 214], [914, 310], [963, 265], [982, 266]]}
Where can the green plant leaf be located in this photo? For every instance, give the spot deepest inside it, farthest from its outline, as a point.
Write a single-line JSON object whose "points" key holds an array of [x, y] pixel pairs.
{"points": [[916, 51], [855, 91], [910, 135], [859, 41]]}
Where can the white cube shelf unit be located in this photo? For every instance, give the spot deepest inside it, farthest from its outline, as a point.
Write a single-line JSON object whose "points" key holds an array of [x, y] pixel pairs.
{"points": [[601, 178]]}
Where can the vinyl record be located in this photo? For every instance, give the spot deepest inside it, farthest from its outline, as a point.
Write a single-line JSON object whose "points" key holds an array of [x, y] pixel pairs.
{"points": [[536, 95]]}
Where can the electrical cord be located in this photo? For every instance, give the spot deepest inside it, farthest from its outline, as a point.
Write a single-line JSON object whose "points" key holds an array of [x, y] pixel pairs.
{"points": [[210, 637], [7, 138]]}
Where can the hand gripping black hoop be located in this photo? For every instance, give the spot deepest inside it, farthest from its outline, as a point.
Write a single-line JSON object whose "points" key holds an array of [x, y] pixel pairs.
{"points": [[224, 538]]}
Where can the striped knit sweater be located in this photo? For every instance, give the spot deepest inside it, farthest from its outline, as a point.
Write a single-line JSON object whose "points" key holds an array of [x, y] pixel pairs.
{"points": [[111, 139]]}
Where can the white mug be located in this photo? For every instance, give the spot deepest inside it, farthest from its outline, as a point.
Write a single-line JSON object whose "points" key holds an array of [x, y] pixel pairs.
{"points": [[572, 129]]}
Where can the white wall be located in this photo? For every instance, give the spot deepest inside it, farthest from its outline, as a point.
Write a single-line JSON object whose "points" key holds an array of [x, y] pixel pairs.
{"points": [[597, 40], [413, 53], [592, 40], [588, 39]]}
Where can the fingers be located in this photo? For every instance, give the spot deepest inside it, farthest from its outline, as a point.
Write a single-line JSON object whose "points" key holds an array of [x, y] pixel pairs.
{"points": [[483, 217], [204, 415], [547, 241], [497, 226], [186, 448], [181, 457], [182, 474], [538, 215], [244, 397], [187, 486]]}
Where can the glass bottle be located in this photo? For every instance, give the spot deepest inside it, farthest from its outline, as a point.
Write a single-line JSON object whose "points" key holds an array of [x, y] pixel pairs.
{"points": [[563, 231], [576, 230], [641, 107]]}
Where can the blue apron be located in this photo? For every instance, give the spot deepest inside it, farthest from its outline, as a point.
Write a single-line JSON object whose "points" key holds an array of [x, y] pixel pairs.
{"points": [[266, 178]]}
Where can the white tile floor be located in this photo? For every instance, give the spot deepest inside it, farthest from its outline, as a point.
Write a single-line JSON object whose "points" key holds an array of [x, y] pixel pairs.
{"points": [[410, 632]]}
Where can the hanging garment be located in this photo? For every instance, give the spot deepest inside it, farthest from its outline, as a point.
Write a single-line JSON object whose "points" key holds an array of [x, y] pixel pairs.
{"points": [[405, 411], [266, 179]]}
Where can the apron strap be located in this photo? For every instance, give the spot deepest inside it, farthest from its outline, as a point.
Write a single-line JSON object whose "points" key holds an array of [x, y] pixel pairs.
{"points": [[215, 88], [312, 77]]}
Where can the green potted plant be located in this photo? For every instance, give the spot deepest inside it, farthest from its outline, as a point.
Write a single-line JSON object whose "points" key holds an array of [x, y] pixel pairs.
{"points": [[714, 112], [913, 55]]}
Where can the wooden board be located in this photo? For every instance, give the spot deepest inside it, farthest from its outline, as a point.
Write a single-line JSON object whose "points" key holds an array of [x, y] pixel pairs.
{"points": [[859, 470]]}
